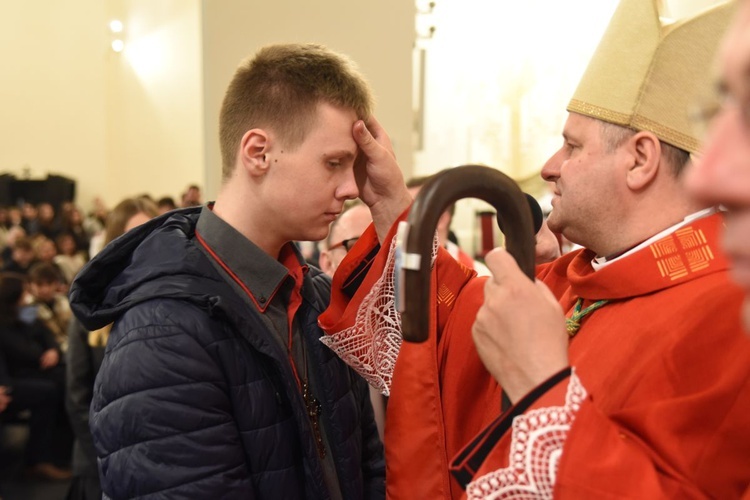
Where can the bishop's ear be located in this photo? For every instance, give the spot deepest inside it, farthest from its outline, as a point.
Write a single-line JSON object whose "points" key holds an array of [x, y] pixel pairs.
{"points": [[253, 148], [646, 160]]}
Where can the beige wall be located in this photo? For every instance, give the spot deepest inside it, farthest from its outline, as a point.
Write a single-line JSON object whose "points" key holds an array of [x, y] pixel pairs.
{"points": [[144, 120], [52, 90], [154, 108]]}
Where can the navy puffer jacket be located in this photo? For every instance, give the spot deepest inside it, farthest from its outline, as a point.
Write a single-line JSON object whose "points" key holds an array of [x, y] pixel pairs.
{"points": [[195, 398]]}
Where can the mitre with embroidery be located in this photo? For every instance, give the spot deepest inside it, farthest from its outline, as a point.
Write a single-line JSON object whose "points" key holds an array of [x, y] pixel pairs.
{"points": [[648, 75]]}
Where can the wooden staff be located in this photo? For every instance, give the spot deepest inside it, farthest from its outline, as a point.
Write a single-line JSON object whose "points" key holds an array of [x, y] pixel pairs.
{"points": [[415, 235]]}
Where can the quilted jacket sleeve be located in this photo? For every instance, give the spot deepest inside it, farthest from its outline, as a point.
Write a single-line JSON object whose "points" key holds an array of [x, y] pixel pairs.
{"points": [[161, 416], [373, 463]]}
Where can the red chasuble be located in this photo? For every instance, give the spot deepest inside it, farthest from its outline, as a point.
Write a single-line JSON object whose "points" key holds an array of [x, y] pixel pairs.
{"points": [[421, 432], [661, 373], [660, 402]]}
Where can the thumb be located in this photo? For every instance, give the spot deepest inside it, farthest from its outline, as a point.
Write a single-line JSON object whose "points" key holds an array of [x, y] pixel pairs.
{"points": [[502, 265]]}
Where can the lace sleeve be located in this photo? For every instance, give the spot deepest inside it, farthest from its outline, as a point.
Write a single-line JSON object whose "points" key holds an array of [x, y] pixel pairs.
{"points": [[371, 345], [536, 446]]}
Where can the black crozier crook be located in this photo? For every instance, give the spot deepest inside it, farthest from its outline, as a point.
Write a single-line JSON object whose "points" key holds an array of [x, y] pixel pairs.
{"points": [[415, 235]]}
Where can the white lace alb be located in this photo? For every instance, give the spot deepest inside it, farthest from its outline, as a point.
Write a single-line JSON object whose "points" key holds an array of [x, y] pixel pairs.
{"points": [[535, 450]]}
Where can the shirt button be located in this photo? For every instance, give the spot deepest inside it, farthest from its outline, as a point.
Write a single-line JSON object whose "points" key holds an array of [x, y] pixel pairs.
{"points": [[262, 299]]}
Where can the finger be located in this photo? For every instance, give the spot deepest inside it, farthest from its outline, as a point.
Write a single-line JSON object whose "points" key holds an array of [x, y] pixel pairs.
{"points": [[368, 151], [374, 126], [364, 138], [502, 265], [379, 133]]}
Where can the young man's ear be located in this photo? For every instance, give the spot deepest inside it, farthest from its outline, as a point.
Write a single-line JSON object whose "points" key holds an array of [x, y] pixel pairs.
{"points": [[646, 160], [253, 148]]}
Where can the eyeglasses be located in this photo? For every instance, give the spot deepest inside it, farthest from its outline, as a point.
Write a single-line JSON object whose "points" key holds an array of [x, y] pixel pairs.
{"points": [[345, 244], [703, 113]]}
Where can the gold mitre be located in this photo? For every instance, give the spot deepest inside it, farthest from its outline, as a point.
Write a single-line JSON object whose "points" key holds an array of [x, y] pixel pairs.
{"points": [[647, 76]]}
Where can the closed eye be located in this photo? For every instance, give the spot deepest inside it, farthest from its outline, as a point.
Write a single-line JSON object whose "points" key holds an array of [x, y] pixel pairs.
{"points": [[338, 159]]}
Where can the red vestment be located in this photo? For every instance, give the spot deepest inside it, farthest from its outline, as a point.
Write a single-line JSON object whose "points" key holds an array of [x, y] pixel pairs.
{"points": [[421, 433], [665, 365]]}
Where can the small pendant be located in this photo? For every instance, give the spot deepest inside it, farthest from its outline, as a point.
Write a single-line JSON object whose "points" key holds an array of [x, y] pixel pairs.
{"points": [[314, 409]]}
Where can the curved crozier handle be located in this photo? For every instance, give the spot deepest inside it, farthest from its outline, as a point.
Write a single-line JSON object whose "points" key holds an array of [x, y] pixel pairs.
{"points": [[416, 234]]}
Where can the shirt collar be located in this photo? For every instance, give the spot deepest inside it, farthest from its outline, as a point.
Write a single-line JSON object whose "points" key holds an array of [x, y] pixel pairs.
{"points": [[260, 275]]}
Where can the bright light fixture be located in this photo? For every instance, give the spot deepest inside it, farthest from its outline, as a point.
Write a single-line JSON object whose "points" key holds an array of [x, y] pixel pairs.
{"points": [[115, 26]]}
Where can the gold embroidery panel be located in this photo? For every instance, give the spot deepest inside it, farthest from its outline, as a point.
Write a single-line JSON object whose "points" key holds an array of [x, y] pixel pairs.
{"points": [[681, 253]]}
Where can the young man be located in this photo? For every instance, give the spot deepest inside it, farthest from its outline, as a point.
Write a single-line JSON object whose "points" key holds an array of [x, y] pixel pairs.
{"points": [[660, 381], [214, 382]]}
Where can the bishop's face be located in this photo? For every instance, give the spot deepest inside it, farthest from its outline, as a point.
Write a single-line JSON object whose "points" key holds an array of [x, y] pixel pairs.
{"points": [[722, 175], [586, 185]]}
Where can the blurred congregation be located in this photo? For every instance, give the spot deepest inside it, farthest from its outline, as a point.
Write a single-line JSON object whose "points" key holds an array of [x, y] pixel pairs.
{"points": [[48, 361]]}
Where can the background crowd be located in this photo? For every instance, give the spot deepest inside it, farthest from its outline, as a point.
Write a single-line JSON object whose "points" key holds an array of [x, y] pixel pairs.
{"points": [[48, 361]]}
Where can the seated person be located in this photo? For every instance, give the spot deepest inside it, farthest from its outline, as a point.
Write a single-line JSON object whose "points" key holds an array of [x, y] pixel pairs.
{"points": [[52, 305], [30, 219], [74, 224], [22, 256], [32, 377], [48, 223], [13, 234], [70, 258]]}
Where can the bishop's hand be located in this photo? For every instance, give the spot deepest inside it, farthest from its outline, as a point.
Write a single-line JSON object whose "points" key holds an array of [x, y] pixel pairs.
{"points": [[519, 331], [379, 178]]}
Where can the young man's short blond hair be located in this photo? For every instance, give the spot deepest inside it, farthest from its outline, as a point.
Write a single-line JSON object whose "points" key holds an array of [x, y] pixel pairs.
{"points": [[280, 87]]}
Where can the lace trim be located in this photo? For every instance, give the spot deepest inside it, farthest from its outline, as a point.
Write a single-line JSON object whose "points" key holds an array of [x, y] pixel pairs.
{"points": [[372, 344], [536, 447]]}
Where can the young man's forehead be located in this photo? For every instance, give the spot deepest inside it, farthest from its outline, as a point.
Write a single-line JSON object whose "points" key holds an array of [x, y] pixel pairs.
{"points": [[341, 153]]}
